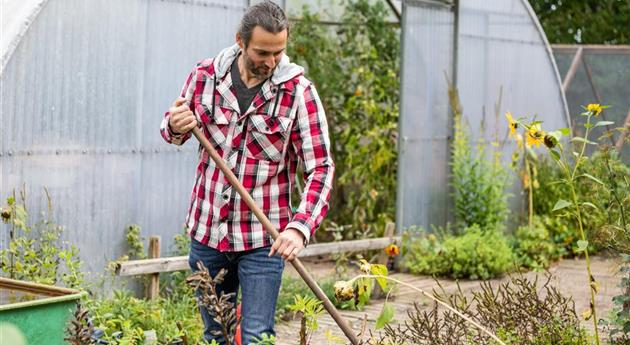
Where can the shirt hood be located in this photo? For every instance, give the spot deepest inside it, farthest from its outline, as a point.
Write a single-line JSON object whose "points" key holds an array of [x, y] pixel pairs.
{"points": [[286, 70]]}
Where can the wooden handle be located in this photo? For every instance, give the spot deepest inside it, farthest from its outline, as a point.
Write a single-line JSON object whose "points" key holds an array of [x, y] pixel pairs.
{"points": [[271, 230]]}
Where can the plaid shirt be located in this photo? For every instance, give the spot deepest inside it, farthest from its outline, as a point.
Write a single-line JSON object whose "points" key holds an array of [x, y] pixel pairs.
{"points": [[284, 125]]}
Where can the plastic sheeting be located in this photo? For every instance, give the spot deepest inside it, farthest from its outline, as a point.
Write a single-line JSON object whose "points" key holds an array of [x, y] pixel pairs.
{"points": [[83, 94], [499, 58]]}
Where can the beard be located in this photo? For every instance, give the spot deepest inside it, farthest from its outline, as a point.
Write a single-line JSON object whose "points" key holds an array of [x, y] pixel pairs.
{"points": [[261, 72]]}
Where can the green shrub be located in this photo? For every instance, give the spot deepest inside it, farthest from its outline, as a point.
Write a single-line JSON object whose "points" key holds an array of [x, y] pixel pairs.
{"points": [[534, 246], [476, 254], [132, 316]]}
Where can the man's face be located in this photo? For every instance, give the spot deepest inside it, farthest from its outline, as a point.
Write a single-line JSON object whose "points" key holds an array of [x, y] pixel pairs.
{"points": [[264, 51]]}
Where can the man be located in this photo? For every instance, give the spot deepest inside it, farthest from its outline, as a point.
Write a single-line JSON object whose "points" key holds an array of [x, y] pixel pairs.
{"points": [[263, 117]]}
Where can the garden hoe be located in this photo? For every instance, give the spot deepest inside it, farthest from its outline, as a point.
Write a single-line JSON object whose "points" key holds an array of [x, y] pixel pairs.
{"points": [[271, 230]]}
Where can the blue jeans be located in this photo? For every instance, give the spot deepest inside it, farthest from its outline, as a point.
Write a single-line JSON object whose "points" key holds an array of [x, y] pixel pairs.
{"points": [[259, 277]]}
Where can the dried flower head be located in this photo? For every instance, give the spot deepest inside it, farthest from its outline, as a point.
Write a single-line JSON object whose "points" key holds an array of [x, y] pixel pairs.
{"points": [[344, 291], [550, 141], [6, 215]]}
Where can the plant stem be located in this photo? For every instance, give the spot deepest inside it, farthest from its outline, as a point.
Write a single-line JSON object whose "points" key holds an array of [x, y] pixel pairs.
{"points": [[571, 180], [531, 190], [437, 300]]}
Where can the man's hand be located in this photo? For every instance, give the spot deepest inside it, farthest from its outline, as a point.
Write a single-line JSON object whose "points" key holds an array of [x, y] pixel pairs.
{"points": [[181, 118], [288, 244]]}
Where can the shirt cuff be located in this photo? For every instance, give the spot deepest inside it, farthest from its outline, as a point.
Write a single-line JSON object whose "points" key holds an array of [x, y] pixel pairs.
{"points": [[303, 228]]}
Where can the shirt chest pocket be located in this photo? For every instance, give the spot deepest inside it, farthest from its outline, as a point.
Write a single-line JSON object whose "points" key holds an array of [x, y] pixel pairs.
{"points": [[217, 124], [267, 137]]}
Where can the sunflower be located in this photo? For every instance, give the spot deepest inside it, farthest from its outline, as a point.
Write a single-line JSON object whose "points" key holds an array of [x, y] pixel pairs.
{"points": [[594, 108], [550, 141], [511, 123], [535, 135]]}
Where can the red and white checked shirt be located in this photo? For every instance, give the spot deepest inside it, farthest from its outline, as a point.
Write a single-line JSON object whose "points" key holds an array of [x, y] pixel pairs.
{"points": [[285, 124]]}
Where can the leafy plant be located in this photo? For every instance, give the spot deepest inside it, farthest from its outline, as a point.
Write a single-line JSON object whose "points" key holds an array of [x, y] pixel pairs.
{"points": [[533, 245], [479, 182], [356, 70], [36, 252], [476, 254], [123, 316], [309, 309]]}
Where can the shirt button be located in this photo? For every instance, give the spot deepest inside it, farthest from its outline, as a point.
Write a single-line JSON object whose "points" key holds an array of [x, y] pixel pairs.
{"points": [[266, 128], [240, 123], [226, 196]]}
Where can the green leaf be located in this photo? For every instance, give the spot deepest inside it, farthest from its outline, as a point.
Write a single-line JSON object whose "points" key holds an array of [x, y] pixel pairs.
{"points": [[582, 245], [560, 205], [565, 131], [582, 140], [589, 204], [593, 178], [603, 123], [380, 270], [386, 316], [555, 155]]}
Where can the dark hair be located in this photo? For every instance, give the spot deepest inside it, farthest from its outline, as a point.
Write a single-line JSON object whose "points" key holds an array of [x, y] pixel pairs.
{"points": [[267, 15]]}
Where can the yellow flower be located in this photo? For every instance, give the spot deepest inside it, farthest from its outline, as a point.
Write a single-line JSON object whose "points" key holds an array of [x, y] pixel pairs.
{"points": [[594, 108], [511, 123], [535, 135], [392, 250], [343, 291]]}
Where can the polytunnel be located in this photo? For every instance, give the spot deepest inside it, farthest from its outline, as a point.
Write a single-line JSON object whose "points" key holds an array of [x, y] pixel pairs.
{"points": [[84, 86], [497, 56]]}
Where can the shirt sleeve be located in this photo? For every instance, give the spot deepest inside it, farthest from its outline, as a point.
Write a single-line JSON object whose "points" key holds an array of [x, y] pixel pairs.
{"points": [[311, 142], [165, 128]]}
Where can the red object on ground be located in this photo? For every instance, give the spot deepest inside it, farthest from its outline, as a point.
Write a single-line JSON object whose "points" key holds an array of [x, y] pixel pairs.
{"points": [[237, 336]]}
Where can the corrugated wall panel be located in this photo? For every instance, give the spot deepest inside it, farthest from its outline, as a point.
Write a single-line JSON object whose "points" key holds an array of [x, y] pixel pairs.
{"points": [[424, 120], [82, 99]]}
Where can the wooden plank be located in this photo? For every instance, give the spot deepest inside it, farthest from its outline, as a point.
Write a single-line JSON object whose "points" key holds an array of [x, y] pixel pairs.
{"points": [[154, 282], [148, 266], [178, 263], [49, 290], [593, 48], [348, 246]]}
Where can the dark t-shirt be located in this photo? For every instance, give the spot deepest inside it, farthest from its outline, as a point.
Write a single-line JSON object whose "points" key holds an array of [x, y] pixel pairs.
{"points": [[244, 95]]}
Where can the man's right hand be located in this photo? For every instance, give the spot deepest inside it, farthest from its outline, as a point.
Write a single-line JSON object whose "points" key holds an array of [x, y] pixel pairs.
{"points": [[181, 119]]}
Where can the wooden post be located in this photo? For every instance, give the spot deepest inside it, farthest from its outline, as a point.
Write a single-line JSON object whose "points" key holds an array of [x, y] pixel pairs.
{"points": [[572, 69], [624, 133], [154, 281]]}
